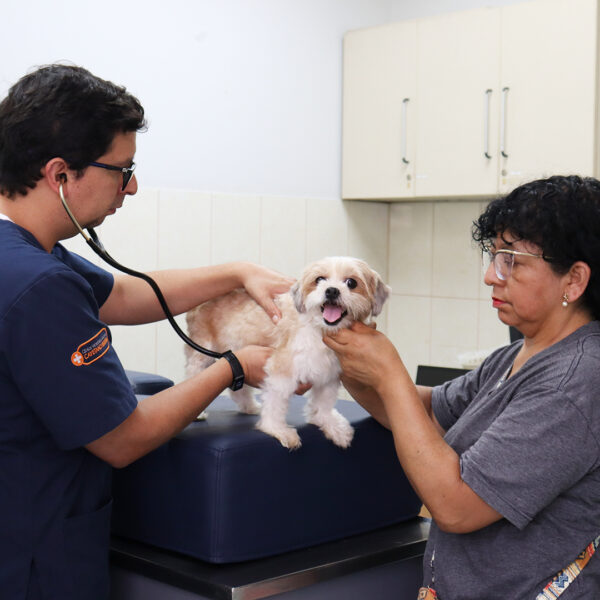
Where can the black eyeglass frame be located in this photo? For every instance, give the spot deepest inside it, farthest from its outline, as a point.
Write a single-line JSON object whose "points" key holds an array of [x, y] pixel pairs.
{"points": [[126, 171]]}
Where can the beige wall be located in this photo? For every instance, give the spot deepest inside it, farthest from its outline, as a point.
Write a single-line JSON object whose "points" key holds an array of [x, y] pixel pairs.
{"points": [[438, 307]]}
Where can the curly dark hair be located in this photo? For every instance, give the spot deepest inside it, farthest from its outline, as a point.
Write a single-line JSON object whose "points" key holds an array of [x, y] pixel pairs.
{"points": [[561, 215], [60, 111]]}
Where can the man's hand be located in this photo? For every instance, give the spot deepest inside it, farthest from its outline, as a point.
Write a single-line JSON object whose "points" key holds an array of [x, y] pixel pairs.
{"points": [[253, 360], [263, 285]]}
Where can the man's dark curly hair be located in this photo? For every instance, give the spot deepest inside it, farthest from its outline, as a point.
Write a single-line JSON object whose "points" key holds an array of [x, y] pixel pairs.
{"points": [[561, 215], [60, 111]]}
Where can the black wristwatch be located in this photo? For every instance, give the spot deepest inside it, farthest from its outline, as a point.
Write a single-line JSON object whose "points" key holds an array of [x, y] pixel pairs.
{"points": [[236, 368]]}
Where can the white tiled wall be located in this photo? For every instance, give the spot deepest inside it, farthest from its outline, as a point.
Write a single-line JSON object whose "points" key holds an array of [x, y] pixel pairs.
{"points": [[438, 309]]}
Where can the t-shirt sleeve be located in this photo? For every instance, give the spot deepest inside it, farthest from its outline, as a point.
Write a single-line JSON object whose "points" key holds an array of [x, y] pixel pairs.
{"points": [[62, 360], [450, 399], [539, 446]]}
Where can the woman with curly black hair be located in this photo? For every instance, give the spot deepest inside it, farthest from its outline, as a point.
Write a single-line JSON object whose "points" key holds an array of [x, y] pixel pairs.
{"points": [[507, 457]]}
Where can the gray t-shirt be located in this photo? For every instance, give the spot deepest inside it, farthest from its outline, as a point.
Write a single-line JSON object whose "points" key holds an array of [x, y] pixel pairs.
{"points": [[530, 447]]}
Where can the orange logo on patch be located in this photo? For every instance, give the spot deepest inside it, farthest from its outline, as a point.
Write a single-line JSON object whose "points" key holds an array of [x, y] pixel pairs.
{"points": [[77, 359], [92, 349]]}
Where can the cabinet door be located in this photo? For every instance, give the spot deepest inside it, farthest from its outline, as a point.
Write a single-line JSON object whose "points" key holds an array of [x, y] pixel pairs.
{"points": [[378, 112], [458, 62], [549, 72]]}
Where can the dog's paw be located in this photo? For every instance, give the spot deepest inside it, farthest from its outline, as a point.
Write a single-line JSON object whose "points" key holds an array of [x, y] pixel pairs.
{"points": [[250, 407], [245, 401], [290, 440], [202, 416], [288, 437], [337, 429], [340, 436]]}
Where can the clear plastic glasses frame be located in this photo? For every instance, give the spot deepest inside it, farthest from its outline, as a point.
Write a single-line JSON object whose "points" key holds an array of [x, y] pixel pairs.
{"points": [[503, 261]]}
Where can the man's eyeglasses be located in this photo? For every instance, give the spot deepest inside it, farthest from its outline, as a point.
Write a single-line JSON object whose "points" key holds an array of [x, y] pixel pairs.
{"points": [[127, 171], [503, 260]]}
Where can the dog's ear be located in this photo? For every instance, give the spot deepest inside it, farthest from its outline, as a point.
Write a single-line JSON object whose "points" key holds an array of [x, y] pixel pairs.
{"points": [[382, 291], [297, 297]]}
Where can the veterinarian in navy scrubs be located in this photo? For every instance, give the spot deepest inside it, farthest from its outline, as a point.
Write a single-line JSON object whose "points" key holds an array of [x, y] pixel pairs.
{"points": [[67, 412]]}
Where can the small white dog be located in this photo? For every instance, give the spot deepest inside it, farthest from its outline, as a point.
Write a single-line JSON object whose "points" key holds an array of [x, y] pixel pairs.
{"points": [[330, 294]]}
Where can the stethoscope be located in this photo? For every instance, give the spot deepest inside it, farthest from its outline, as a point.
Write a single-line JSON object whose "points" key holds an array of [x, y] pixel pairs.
{"points": [[96, 245]]}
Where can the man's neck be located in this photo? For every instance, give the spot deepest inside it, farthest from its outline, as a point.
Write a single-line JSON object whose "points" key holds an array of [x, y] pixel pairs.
{"points": [[34, 213]]}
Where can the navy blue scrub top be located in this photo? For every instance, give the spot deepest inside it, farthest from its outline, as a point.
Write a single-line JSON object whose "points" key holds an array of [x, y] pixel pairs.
{"points": [[61, 387]]}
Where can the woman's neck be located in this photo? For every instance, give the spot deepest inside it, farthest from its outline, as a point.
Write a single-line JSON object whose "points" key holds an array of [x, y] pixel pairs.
{"points": [[536, 343]]}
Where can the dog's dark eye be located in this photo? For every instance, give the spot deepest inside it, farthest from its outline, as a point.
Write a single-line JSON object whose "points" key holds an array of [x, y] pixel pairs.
{"points": [[319, 279], [351, 283]]}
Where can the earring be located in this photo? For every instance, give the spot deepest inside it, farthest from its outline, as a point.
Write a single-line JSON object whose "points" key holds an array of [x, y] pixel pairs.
{"points": [[565, 301]]}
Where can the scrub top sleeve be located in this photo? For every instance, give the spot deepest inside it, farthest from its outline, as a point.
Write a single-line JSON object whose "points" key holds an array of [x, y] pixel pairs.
{"points": [[63, 363], [100, 280], [537, 448]]}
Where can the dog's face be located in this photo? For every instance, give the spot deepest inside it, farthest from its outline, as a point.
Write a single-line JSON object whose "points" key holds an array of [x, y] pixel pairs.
{"points": [[339, 290]]}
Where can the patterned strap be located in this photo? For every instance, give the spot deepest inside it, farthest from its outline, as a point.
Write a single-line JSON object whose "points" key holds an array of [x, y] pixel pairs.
{"points": [[563, 579]]}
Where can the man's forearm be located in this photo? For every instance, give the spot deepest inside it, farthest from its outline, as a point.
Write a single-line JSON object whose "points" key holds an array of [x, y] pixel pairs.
{"points": [[161, 416], [133, 302]]}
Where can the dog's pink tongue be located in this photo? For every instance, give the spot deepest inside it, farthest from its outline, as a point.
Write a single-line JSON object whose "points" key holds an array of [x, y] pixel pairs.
{"points": [[332, 313]]}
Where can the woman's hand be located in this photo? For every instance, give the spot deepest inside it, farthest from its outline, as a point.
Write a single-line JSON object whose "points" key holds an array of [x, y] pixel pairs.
{"points": [[303, 388], [366, 356], [263, 285]]}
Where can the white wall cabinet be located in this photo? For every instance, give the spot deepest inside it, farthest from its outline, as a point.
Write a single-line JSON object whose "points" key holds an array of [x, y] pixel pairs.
{"points": [[380, 80], [495, 97], [458, 61], [549, 62]]}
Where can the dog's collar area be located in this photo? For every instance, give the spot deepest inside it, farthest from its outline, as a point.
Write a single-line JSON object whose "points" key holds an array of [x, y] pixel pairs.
{"points": [[332, 313]]}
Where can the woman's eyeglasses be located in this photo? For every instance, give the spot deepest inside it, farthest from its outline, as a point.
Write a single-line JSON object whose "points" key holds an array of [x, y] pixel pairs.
{"points": [[127, 171], [503, 260]]}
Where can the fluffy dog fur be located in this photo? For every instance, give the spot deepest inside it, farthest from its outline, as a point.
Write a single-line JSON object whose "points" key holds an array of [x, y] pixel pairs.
{"points": [[330, 295]]}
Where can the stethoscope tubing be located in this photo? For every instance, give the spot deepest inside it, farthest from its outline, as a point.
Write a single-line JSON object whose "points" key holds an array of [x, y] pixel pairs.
{"points": [[96, 245]]}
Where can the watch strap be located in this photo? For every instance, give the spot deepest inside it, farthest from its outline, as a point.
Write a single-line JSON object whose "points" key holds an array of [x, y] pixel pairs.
{"points": [[236, 368]]}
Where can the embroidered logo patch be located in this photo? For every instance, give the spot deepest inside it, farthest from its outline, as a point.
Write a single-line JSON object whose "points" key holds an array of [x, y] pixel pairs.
{"points": [[91, 350]]}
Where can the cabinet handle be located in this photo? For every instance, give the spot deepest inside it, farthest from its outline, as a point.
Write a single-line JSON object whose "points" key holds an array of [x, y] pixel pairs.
{"points": [[404, 113], [486, 124], [503, 122]]}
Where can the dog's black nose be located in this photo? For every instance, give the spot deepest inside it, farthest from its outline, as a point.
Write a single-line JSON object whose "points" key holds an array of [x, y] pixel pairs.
{"points": [[332, 293]]}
